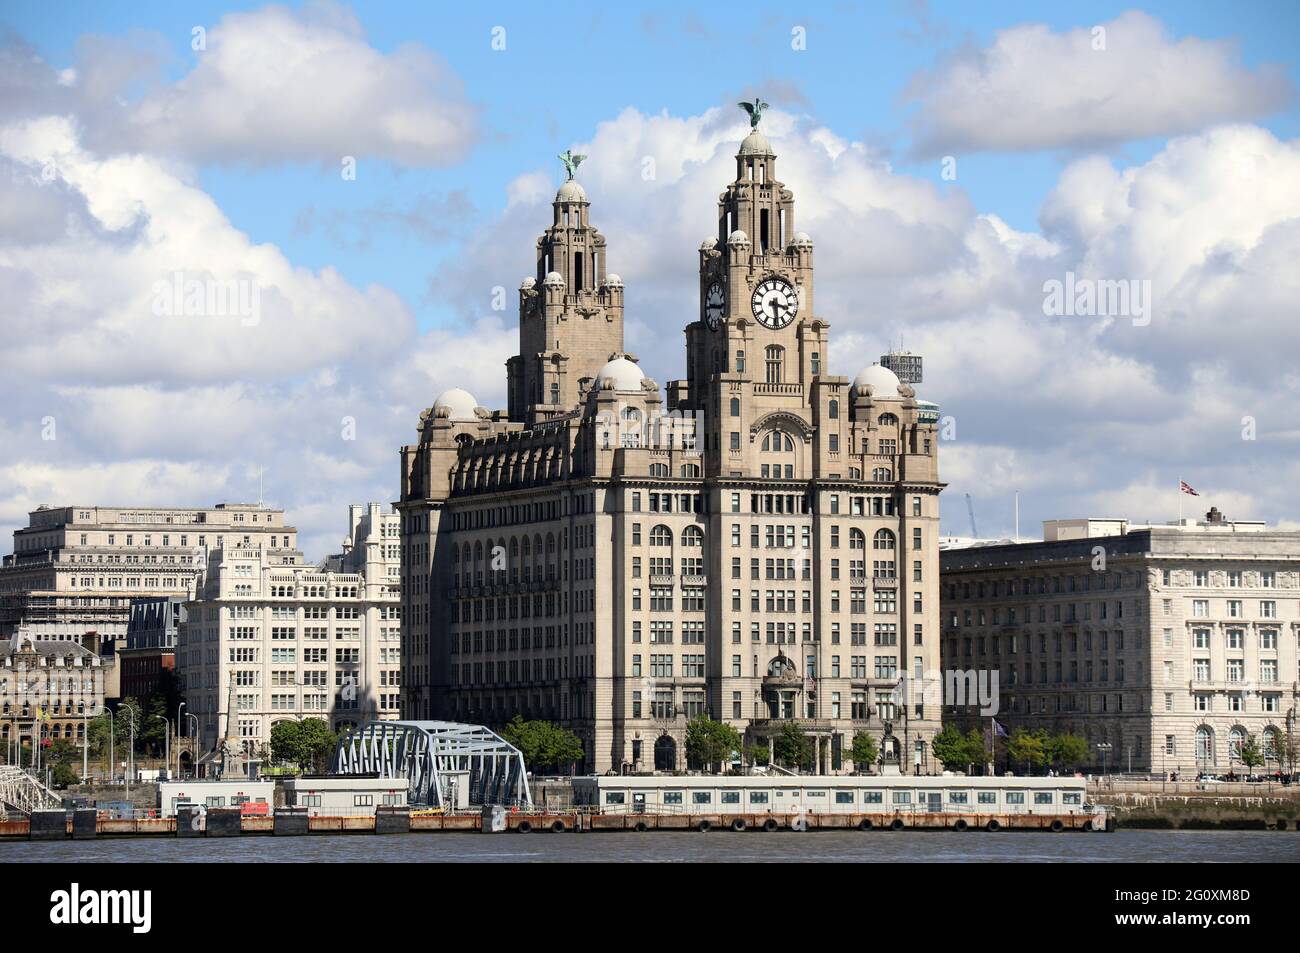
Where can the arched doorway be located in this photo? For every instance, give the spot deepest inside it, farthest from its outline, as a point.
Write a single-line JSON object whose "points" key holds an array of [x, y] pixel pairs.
{"points": [[665, 753]]}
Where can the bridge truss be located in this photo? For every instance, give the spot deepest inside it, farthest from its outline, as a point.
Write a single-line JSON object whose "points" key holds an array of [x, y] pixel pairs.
{"points": [[21, 792], [431, 755]]}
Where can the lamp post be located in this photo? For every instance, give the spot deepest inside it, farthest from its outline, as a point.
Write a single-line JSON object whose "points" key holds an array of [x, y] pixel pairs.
{"points": [[167, 740], [85, 745], [112, 744], [194, 761], [1104, 747], [178, 738], [130, 754]]}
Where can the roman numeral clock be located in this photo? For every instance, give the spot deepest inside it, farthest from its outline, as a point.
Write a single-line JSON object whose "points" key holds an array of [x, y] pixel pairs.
{"points": [[775, 303]]}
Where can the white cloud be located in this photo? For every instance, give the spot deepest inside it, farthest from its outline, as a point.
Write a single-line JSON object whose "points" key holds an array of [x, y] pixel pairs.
{"points": [[283, 85], [1032, 88]]}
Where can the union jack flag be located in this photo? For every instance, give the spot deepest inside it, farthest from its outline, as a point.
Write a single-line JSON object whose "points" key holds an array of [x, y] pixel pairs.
{"points": [[1187, 488]]}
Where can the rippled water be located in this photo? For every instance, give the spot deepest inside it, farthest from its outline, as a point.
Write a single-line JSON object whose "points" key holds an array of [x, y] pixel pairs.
{"points": [[749, 847]]}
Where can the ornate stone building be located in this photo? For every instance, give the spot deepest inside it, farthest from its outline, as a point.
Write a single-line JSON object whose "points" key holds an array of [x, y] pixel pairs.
{"points": [[1166, 647], [759, 544]]}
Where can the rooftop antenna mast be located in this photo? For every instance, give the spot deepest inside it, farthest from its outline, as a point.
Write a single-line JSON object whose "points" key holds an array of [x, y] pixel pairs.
{"points": [[970, 508]]}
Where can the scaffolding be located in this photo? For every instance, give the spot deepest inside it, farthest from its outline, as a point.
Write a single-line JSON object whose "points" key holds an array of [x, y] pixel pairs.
{"points": [[435, 756]]}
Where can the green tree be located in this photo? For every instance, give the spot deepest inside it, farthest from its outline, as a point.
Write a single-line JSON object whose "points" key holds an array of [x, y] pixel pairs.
{"points": [[309, 743], [794, 749], [864, 751], [710, 743], [756, 752], [64, 760], [544, 744], [952, 748], [1250, 754], [1028, 748], [1066, 751]]}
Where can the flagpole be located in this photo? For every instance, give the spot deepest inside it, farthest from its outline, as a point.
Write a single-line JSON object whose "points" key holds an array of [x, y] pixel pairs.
{"points": [[1180, 501]]}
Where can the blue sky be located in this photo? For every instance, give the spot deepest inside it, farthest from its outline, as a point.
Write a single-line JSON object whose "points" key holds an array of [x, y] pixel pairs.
{"points": [[593, 60], [1171, 157]]}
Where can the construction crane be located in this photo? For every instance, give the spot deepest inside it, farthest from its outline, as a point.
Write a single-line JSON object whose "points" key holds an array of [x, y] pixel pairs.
{"points": [[970, 508]]}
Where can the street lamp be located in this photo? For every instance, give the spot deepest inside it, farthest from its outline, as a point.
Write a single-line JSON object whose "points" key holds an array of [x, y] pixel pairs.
{"points": [[112, 745], [167, 740], [130, 754], [194, 765], [1104, 747], [178, 738]]}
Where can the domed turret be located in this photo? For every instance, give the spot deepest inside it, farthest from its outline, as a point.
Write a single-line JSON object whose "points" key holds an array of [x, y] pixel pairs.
{"points": [[620, 374], [553, 278], [571, 191], [737, 238], [801, 240], [756, 144], [456, 404], [882, 381], [613, 281]]}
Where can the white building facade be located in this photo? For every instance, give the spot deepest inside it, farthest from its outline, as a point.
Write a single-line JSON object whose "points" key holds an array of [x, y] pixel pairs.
{"points": [[295, 641]]}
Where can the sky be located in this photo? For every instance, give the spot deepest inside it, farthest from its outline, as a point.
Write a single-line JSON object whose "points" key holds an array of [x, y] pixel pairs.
{"points": [[377, 174]]}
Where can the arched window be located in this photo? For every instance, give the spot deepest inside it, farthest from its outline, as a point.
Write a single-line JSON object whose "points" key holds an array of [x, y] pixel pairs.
{"points": [[881, 475], [692, 537], [887, 420], [1236, 738], [659, 469], [833, 410], [1205, 743], [883, 539], [661, 536], [1271, 743], [555, 392], [691, 471], [778, 441], [858, 540], [740, 362], [735, 406], [775, 359]]}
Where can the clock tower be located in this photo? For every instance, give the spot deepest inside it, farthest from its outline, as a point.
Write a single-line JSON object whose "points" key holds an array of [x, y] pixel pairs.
{"points": [[570, 312], [757, 339]]}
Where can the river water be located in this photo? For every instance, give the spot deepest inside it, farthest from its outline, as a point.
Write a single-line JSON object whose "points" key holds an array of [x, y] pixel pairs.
{"points": [[722, 846]]}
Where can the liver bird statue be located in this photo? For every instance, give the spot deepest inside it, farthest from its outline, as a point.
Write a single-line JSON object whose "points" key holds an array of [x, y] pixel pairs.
{"points": [[571, 162], [755, 110]]}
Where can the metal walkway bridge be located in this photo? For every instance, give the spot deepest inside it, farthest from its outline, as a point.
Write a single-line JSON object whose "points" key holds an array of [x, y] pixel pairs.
{"points": [[434, 756], [21, 792]]}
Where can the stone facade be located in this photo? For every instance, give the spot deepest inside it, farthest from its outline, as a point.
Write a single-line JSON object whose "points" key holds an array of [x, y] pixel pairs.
{"points": [[47, 689], [75, 569], [298, 641], [1171, 644], [761, 546]]}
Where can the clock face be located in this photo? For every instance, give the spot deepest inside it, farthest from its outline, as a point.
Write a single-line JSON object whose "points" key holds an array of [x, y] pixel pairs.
{"points": [[775, 303], [713, 303]]}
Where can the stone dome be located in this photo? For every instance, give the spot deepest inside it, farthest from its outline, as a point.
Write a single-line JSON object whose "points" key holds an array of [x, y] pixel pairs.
{"points": [[613, 281], [527, 283], [553, 278], [620, 374], [883, 382], [709, 244], [458, 405], [802, 240], [571, 191], [737, 238], [756, 144]]}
